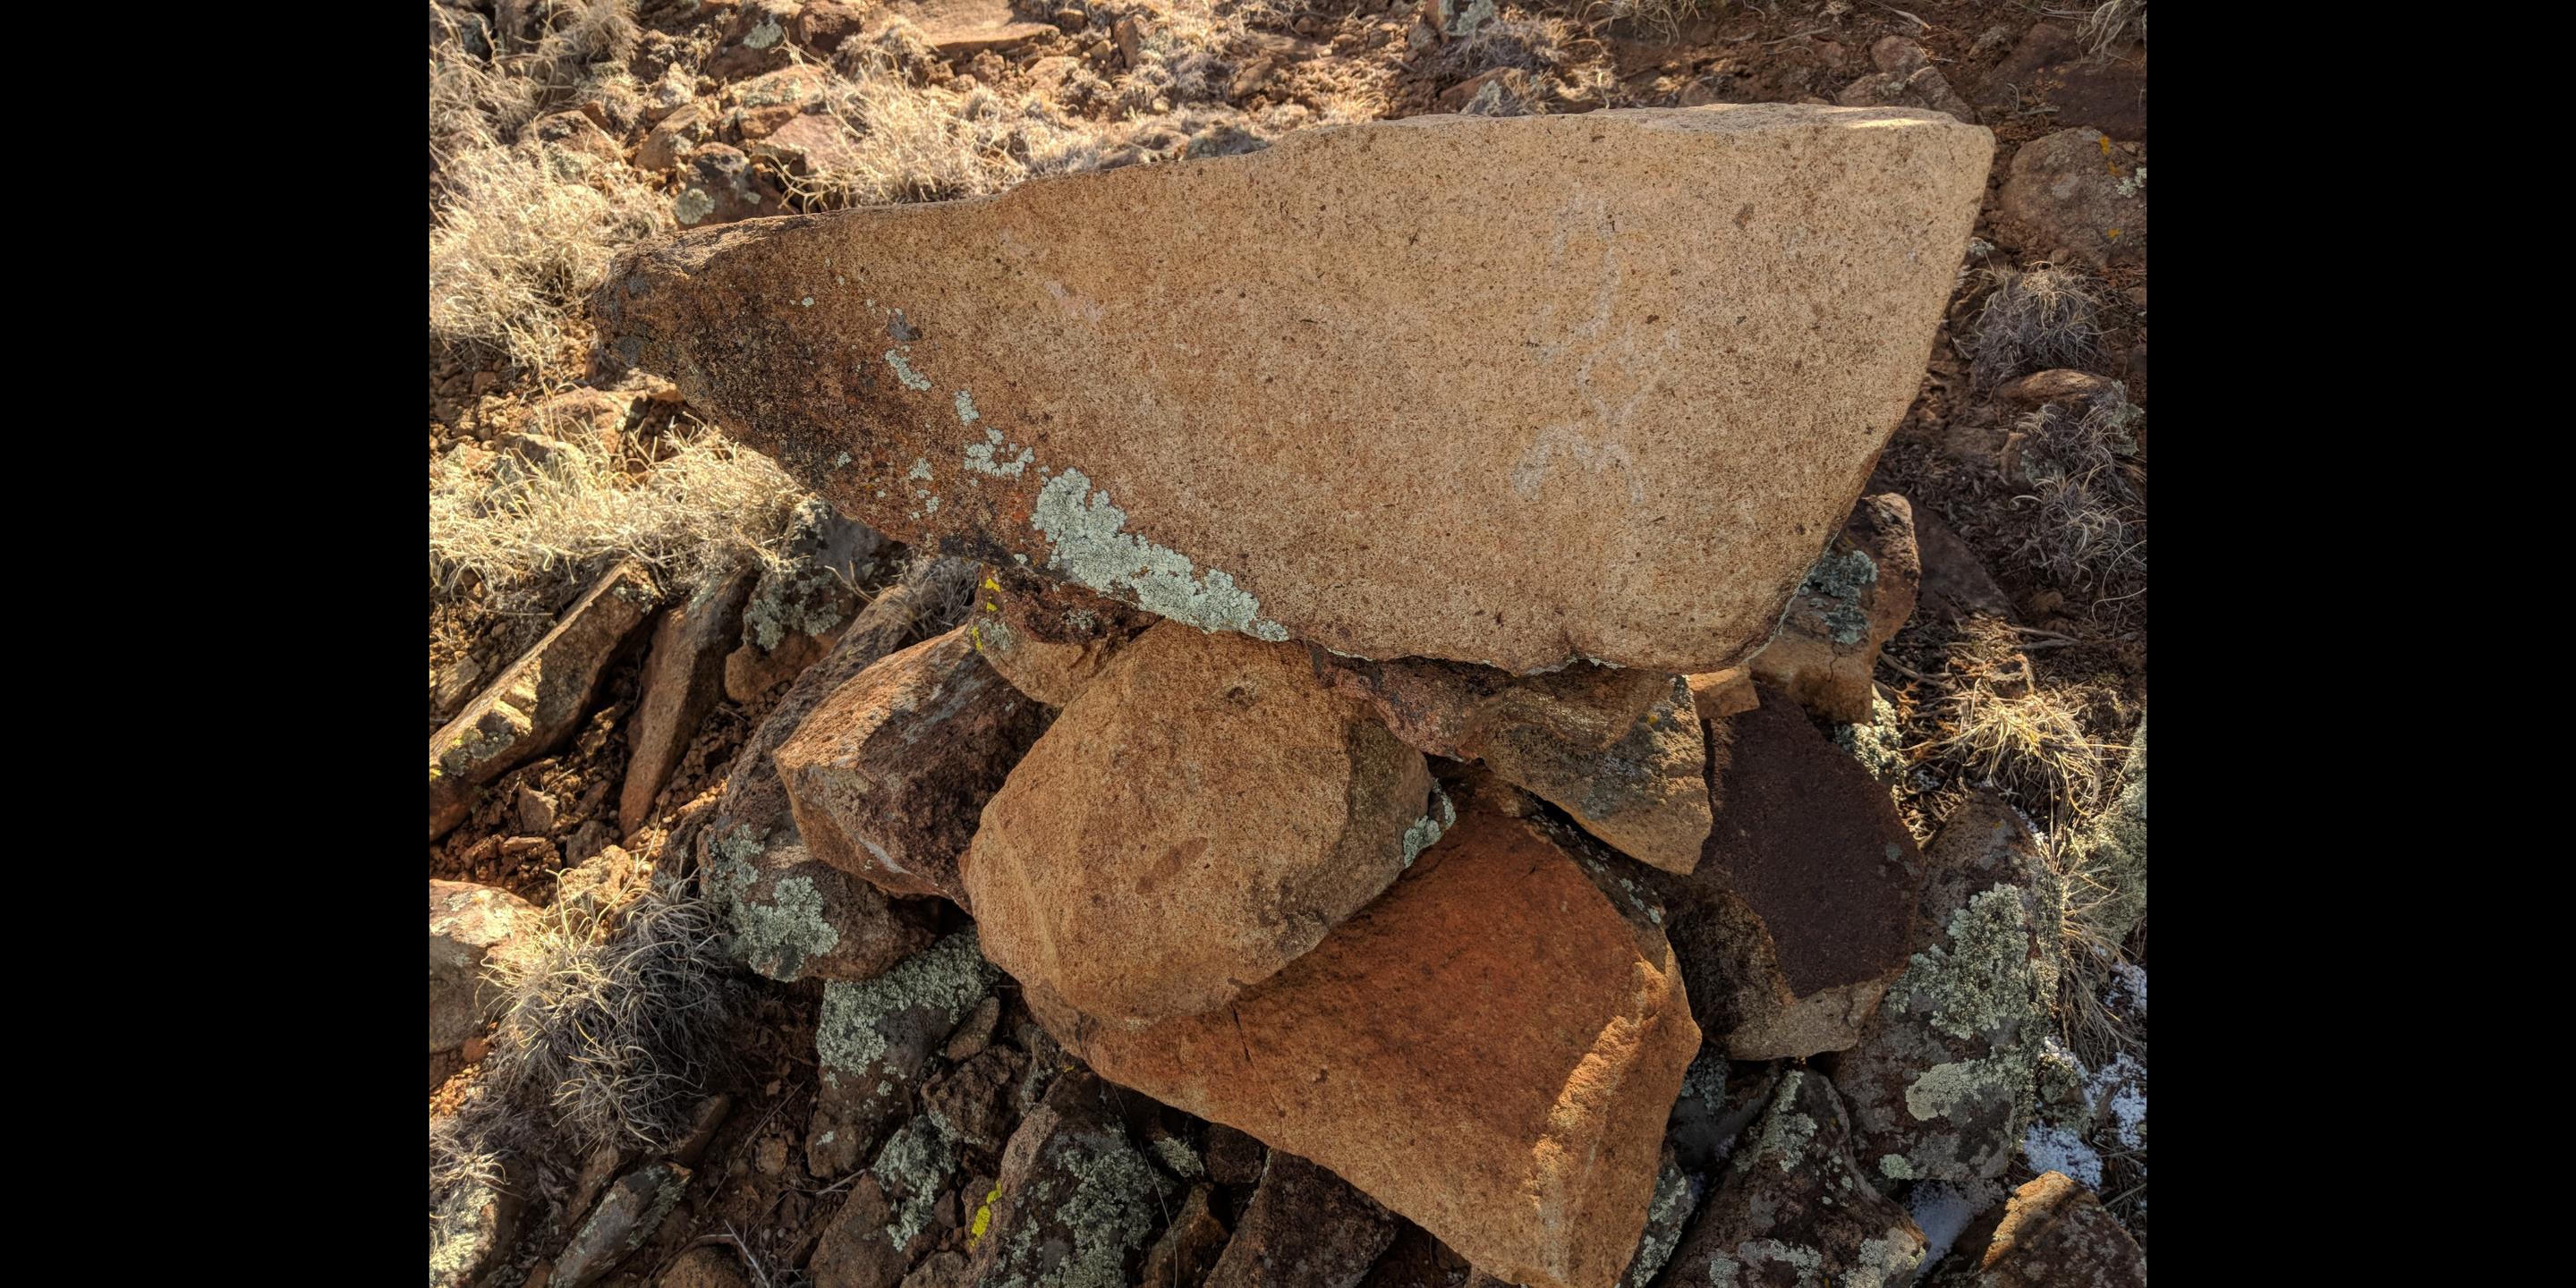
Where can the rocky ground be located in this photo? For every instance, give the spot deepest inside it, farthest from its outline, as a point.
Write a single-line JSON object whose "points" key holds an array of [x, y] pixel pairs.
{"points": [[710, 758]]}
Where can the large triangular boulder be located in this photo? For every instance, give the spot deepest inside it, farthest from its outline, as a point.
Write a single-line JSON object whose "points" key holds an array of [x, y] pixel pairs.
{"points": [[1336, 388]]}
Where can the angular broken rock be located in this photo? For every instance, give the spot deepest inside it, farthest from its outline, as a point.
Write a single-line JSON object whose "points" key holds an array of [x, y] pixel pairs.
{"points": [[2077, 191], [1198, 817], [1490, 1049], [538, 700], [1853, 602], [1618, 749], [889, 775], [1304, 1226], [2052, 1233], [1051, 646], [1945, 1075], [1079, 1203], [1802, 908], [1691, 330], [466, 922], [683, 679], [626, 1217], [1793, 1207], [878, 1040], [804, 600], [1189, 1247], [792, 915]]}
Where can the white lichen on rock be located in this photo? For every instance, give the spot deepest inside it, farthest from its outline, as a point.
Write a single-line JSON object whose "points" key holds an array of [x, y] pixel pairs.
{"points": [[1426, 829], [1093, 548], [903, 371], [982, 458], [950, 976]]}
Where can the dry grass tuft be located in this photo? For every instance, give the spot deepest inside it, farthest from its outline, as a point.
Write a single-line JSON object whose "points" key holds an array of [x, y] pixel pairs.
{"points": [[527, 535], [2035, 320], [2089, 530], [907, 142], [618, 1023], [2109, 25], [1999, 726], [519, 242], [1539, 44], [487, 79], [1663, 17]]}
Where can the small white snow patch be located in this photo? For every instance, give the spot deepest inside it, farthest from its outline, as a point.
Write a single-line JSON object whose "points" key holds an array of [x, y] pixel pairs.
{"points": [[1942, 1211], [2055, 1149]]}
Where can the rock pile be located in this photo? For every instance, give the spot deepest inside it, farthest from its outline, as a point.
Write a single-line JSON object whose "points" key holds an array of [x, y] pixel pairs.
{"points": [[1249, 798], [1387, 725]]}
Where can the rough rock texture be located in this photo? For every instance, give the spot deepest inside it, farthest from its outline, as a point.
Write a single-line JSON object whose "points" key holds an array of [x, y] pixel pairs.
{"points": [[1802, 908], [1856, 598], [1666, 1217], [1195, 819], [804, 600], [1489, 1049], [1618, 749], [1231, 428], [1416, 1260], [879, 1039], [1719, 694], [1079, 1202], [887, 1223], [626, 1216], [466, 922], [683, 679], [1793, 1207], [1305, 1228], [538, 700], [1956, 585], [2049, 68], [2064, 192], [1904, 79], [2052, 1233], [888, 777], [1189, 1247], [1945, 1075], [1051, 647], [793, 915]]}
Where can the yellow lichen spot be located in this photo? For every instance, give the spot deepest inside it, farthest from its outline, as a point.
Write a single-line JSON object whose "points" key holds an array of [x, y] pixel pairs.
{"points": [[983, 1216], [992, 585], [2113, 233]]}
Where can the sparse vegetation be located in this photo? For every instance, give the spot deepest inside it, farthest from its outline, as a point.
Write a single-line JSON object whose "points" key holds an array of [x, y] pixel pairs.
{"points": [[2034, 320], [1997, 725], [2089, 529], [2108, 25], [1530, 43], [517, 245], [525, 534], [1663, 17]]}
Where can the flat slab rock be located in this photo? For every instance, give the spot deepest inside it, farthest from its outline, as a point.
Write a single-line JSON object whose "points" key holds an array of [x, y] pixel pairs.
{"points": [[1490, 1049], [1233, 391]]}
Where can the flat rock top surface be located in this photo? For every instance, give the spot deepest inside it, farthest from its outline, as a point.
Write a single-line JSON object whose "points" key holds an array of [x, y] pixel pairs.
{"points": [[1511, 391]]}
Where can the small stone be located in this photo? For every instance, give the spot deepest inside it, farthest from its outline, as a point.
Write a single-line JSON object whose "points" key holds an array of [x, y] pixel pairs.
{"points": [[1304, 1226], [538, 701], [2051, 1232], [2066, 189], [625, 1219], [1794, 1206], [1856, 598], [888, 777], [1078, 1203], [683, 679], [466, 924], [975, 1032], [1189, 1247]]}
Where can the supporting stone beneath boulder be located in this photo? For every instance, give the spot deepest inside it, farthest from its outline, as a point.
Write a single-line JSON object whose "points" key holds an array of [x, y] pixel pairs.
{"points": [[1490, 1049]]}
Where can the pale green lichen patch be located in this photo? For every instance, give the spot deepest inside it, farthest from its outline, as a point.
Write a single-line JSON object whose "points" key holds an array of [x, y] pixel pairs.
{"points": [[1179, 1157], [692, 205], [1427, 829], [1784, 1134], [984, 458], [1945, 1089], [1981, 982], [1092, 1201], [777, 937], [966, 413], [1665, 1214], [767, 33], [903, 371], [1882, 1263], [950, 976], [914, 1165], [1878, 745], [1092, 547], [1896, 1167], [1834, 588]]}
